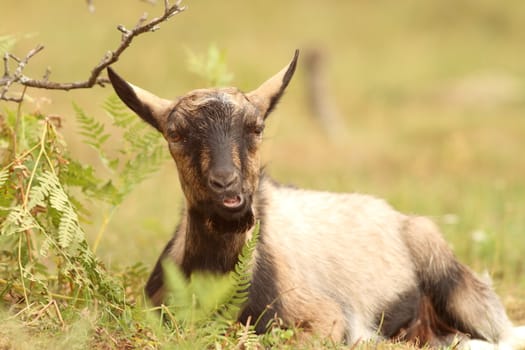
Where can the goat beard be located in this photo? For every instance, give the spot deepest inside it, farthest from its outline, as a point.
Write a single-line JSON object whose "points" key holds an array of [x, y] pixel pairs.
{"points": [[220, 220]]}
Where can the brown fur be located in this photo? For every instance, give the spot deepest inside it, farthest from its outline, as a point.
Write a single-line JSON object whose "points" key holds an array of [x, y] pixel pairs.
{"points": [[458, 296], [427, 328]]}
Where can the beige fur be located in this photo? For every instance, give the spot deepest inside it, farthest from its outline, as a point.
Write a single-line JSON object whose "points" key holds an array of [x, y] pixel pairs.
{"points": [[337, 245], [338, 261]]}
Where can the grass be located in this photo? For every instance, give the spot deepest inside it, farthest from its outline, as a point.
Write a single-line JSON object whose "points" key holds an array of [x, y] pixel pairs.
{"points": [[432, 95]]}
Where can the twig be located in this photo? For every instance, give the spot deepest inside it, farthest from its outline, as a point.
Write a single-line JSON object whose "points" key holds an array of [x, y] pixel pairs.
{"points": [[6, 66], [103, 227], [59, 314], [94, 78], [7, 80]]}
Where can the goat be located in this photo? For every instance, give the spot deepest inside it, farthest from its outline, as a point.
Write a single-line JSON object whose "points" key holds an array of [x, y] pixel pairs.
{"points": [[344, 266]]}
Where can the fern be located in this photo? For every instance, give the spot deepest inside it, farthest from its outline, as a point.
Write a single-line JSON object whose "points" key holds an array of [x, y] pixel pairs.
{"points": [[144, 151], [43, 243], [207, 306], [93, 132], [48, 268], [4, 175], [69, 230], [141, 167], [83, 176], [17, 220], [241, 278], [118, 112], [91, 129], [141, 155], [227, 313]]}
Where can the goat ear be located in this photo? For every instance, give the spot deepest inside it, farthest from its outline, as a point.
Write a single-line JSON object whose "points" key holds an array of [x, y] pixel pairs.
{"points": [[148, 106], [266, 96]]}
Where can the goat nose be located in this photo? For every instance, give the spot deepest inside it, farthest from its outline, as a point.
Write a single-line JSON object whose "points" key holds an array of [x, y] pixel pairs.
{"points": [[223, 179]]}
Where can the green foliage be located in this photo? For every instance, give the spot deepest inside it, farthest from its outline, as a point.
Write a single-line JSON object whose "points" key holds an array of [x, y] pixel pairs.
{"points": [[206, 306], [6, 43], [4, 175], [44, 255], [92, 130], [141, 154], [211, 67], [240, 278]]}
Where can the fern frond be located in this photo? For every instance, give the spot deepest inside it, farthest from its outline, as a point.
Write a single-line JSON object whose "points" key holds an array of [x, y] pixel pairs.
{"points": [[138, 135], [18, 220], [241, 279], [84, 177], [242, 275], [4, 175], [142, 137], [45, 246], [69, 229], [119, 113], [47, 184], [92, 130], [144, 147], [142, 166], [247, 338]]}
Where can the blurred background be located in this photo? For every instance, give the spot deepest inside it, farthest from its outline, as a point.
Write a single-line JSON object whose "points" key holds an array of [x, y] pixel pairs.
{"points": [[427, 102]]}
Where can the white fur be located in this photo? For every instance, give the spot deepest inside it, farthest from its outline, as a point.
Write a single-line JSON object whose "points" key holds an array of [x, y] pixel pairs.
{"points": [[515, 340]]}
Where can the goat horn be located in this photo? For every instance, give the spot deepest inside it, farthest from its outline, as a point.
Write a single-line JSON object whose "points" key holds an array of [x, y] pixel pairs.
{"points": [[266, 96], [147, 105]]}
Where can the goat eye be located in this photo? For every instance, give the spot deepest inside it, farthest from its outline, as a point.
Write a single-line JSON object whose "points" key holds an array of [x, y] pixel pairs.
{"points": [[257, 129], [174, 136]]}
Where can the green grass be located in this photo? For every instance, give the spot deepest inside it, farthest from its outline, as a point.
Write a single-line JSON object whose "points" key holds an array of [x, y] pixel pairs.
{"points": [[432, 95]]}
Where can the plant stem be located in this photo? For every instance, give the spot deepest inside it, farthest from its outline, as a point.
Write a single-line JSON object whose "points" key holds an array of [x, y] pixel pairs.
{"points": [[103, 227], [37, 161], [22, 269]]}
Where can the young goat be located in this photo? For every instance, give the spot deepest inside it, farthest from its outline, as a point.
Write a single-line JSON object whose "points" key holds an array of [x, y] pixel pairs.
{"points": [[345, 266]]}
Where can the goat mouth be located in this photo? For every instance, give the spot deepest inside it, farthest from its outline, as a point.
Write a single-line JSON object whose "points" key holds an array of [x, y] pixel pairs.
{"points": [[234, 202]]}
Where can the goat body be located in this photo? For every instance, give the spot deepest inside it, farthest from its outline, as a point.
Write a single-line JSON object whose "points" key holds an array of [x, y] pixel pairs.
{"points": [[345, 266]]}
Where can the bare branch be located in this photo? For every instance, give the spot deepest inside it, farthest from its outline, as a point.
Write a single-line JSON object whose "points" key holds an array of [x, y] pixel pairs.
{"points": [[17, 77], [94, 78], [6, 66]]}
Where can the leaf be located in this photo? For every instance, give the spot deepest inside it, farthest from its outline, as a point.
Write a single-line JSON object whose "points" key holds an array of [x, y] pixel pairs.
{"points": [[179, 294], [92, 130], [18, 220], [4, 175], [240, 277], [69, 230], [44, 247], [119, 112]]}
